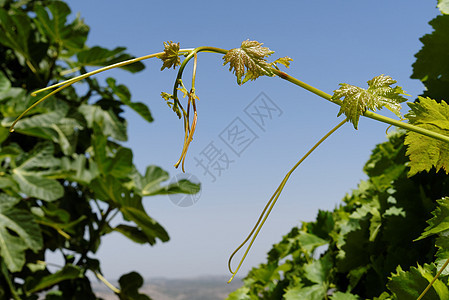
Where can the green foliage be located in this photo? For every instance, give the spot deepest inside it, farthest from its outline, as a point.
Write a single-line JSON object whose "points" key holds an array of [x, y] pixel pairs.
{"points": [[408, 285], [426, 152], [17, 233], [129, 286], [365, 240], [64, 173], [431, 65], [379, 94]]}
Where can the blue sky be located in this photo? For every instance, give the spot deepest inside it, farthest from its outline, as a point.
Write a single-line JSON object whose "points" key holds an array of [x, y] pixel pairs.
{"points": [[330, 41]]}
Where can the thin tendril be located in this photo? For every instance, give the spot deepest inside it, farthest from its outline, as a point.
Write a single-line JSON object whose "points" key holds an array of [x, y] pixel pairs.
{"points": [[189, 131], [269, 206], [67, 83], [107, 283], [433, 280]]}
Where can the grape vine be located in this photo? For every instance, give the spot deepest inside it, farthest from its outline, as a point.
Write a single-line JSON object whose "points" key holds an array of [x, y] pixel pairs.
{"points": [[427, 124]]}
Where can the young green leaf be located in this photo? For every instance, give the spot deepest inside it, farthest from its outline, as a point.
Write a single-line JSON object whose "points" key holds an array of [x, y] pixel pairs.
{"points": [[251, 55], [283, 61], [379, 94], [426, 152], [170, 58]]}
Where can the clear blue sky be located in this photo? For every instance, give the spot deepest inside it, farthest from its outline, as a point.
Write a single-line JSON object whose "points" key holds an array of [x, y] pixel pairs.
{"points": [[330, 41]]}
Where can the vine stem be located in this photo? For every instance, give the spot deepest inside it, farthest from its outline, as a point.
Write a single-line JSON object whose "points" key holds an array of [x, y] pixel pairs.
{"points": [[269, 206], [6, 276], [368, 114], [62, 85], [433, 280], [107, 283]]}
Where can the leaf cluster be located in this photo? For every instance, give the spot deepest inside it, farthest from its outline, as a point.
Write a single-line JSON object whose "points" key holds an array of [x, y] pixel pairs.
{"points": [[64, 172], [361, 249]]}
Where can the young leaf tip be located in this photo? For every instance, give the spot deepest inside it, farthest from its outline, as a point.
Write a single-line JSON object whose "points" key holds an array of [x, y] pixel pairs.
{"points": [[379, 94], [249, 61], [283, 61], [170, 58]]}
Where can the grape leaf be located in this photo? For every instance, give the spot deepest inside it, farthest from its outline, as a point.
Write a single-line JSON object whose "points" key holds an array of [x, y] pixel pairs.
{"points": [[379, 94], [431, 65], [251, 55], [426, 152], [239, 294], [314, 292], [408, 285], [170, 58], [442, 243], [439, 224]]}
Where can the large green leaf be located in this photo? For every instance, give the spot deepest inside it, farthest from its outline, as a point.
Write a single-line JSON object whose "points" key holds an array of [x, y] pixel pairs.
{"points": [[106, 120], [150, 183], [18, 232], [110, 189], [66, 273], [118, 164], [132, 210], [5, 84], [410, 284], [70, 36], [14, 31], [318, 270], [310, 242], [132, 232], [425, 152], [98, 56], [125, 96], [32, 174], [79, 168]]}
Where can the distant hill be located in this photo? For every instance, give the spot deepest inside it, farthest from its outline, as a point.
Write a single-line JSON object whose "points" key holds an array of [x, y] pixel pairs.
{"points": [[201, 288]]}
